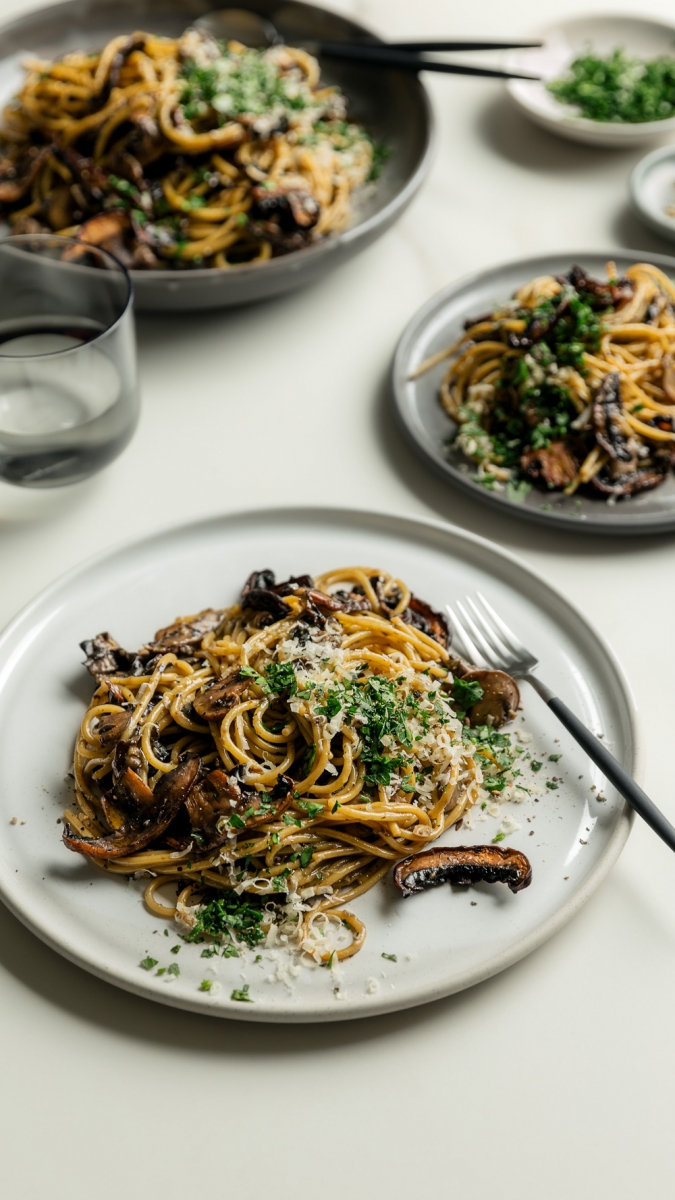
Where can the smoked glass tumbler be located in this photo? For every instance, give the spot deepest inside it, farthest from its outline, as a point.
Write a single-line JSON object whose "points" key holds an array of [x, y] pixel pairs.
{"points": [[68, 381]]}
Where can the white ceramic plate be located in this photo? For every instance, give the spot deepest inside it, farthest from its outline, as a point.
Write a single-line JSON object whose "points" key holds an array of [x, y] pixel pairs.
{"points": [[565, 41], [444, 940], [428, 427], [652, 189]]}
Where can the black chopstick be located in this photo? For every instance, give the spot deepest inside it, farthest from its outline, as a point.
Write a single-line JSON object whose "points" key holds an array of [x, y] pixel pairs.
{"points": [[383, 56], [439, 46]]}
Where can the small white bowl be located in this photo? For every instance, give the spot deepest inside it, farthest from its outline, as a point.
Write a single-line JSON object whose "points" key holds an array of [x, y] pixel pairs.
{"points": [[652, 190], [563, 43]]}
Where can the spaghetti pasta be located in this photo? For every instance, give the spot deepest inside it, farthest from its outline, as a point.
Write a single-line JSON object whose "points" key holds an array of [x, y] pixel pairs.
{"points": [[570, 385], [290, 748], [182, 152]]}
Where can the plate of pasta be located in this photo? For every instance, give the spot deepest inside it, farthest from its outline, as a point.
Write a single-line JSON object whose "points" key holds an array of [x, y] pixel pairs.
{"points": [[546, 387], [217, 172], [295, 801]]}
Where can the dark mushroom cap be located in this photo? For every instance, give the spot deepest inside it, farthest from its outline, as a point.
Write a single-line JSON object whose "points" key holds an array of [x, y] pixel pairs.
{"points": [[222, 805], [171, 792], [462, 866], [220, 697], [555, 465], [500, 699], [609, 419]]}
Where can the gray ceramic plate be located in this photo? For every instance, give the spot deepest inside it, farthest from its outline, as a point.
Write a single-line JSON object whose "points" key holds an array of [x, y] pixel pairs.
{"points": [[428, 427], [391, 104]]}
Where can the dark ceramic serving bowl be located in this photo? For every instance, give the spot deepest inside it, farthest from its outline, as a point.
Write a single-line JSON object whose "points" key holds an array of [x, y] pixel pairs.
{"points": [[392, 104]]}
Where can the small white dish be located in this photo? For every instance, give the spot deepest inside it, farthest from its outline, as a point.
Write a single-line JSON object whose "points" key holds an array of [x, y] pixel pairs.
{"points": [[652, 190], [565, 41]]}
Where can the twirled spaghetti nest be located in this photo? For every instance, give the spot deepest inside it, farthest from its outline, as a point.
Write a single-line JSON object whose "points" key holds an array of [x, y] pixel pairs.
{"points": [[296, 744], [182, 152]]}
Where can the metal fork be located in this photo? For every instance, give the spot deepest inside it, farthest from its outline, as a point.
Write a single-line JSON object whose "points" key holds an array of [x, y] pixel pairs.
{"points": [[488, 642]]}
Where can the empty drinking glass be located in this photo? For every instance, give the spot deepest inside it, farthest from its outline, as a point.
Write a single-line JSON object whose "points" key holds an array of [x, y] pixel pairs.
{"points": [[68, 386]]}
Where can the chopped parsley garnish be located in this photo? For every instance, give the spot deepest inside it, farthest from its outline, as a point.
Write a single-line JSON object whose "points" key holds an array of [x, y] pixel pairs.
{"points": [[391, 957], [499, 837], [174, 969], [148, 963], [175, 949], [281, 678], [228, 915], [618, 88], [554, 757], [306, 856], [374, 706], [536, 766], [206, 985], [241, 994], [292, 819], [551, 785], [466, 693], [310, 808]]}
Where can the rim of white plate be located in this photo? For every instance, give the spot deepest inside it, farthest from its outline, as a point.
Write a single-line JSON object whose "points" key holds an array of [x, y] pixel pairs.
{"points": [[11, 646]]}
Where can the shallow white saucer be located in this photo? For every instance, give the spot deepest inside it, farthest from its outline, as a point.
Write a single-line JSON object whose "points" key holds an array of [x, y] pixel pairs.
{"points": [[565, 41], [652, 190]]}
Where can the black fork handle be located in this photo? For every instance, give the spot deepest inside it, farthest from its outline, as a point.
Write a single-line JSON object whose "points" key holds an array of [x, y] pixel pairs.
{"points": [[610, 768]]}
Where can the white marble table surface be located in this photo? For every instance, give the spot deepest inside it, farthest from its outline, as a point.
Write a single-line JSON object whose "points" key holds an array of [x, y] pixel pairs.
{"points": [[552, 1080]]}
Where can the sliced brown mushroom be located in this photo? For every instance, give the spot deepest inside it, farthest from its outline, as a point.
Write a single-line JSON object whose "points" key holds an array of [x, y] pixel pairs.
{"points": [[183, 636], [259, 592], [105, 656], [16, 176], [171, 792], [428, 619], [609, 419], [500, 699], [600, 294], [461, 866], [555, 465], [291, 209], [111, 726], [641, 480], [221, 805], [220, 697]]}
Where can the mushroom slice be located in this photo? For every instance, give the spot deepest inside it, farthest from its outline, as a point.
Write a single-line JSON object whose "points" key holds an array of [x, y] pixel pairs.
{"points": [[500, 699], [641, 480], [428, 619], [111, 726], [265, 601], [603, 294], [171, 792], [554, 465], [292, 209], [221, 806], [16, 176], [220, 697], [105, 656], [608, 419], [183, 636], [462, 866]]}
